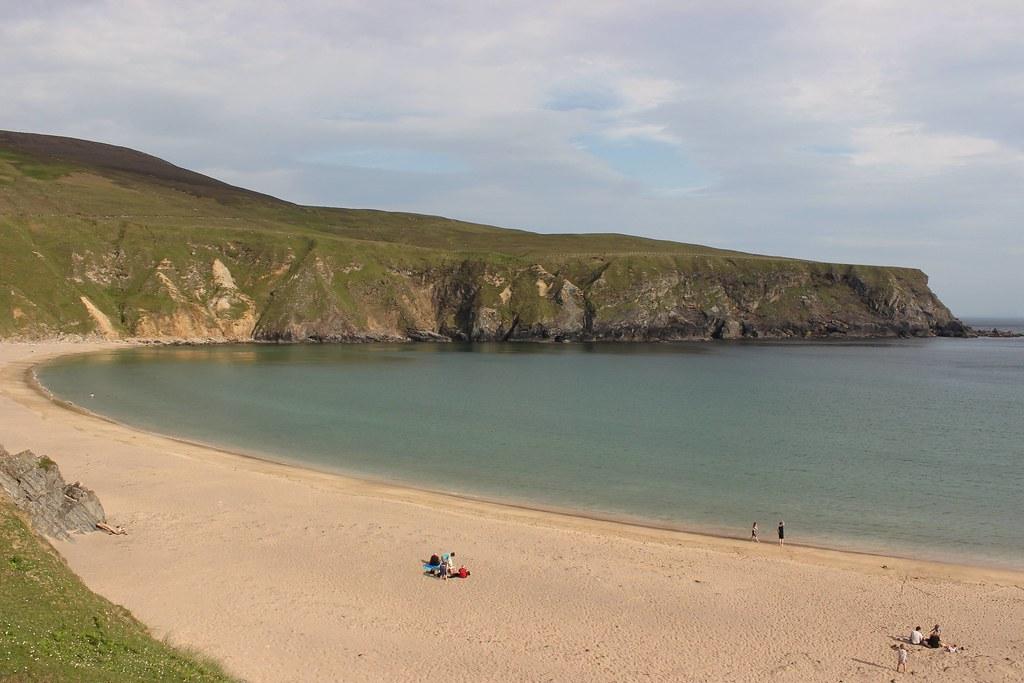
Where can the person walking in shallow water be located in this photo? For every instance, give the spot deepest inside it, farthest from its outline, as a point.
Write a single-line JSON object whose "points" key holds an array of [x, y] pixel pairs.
{"points": [[753, 534], [782, 533]]}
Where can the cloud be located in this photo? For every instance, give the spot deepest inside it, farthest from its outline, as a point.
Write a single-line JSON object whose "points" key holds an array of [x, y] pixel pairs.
{"points": [[629, 130], [643, 94], [387, 159], [909, 148], [848, 131]]}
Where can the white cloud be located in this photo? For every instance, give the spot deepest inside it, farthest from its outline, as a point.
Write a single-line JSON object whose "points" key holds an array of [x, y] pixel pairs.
{"points": [[643, 131], [642, 94], [909, 148]]}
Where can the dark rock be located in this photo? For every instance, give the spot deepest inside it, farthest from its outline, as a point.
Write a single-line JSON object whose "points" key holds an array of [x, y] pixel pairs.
{"points": [[35, 485], [953, 328], [426, 336], [994, 332]]}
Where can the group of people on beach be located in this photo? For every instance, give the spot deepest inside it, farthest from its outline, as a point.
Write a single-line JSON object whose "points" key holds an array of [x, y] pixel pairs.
{"points": [[934, 641], [443, 567], [782, 533]]}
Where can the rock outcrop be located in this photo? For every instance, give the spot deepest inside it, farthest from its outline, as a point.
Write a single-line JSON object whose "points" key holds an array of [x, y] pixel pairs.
{"points": [[997, 333], [55, 508]]}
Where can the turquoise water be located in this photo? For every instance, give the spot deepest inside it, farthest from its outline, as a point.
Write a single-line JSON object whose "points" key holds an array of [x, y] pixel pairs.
{"points": [[910, 447]]}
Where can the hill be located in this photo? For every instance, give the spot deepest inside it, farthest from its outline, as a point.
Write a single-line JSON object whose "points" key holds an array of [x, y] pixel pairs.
{"points": [[102, 240]]}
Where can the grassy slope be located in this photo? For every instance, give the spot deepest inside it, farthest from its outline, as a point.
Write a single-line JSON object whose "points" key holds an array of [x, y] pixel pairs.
{"points": [[80, 219], [147, 179], [52, 628]]}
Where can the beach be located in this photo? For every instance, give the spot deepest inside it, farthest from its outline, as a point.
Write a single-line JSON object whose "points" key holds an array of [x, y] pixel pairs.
{"points": [[287, 574]]}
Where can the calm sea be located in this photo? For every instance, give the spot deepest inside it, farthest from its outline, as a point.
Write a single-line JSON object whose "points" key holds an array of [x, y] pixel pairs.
{"points": [[913, 447]]}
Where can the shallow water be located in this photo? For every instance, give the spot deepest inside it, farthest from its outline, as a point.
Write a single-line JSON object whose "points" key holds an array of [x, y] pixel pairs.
{"points": [[909, 447]]}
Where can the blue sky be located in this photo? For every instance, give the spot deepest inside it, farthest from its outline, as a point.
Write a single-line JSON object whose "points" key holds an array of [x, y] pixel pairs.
{"points": [[866, 132]]}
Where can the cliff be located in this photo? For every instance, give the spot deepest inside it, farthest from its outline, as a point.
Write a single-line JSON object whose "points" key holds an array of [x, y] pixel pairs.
{"points": [[102, 240]]}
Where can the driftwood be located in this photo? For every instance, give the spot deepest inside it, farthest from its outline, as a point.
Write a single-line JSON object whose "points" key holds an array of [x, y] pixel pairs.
{"points": [[115, 530]]}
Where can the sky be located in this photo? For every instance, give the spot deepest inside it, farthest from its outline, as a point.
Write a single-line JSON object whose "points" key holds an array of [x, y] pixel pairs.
{"points": [[857, 132]]}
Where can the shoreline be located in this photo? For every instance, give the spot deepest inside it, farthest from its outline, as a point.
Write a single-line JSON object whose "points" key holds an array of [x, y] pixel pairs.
{"points": [[444, 498], [285, 573]]}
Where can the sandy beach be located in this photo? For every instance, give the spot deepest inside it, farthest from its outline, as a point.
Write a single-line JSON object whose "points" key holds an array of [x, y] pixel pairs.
{"points": [[285, 574]]}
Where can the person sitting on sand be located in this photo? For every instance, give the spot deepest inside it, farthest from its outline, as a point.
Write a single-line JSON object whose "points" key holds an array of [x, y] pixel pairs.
{"points": [[935, 637], [433, 567], [463, 573], [916, 637]]}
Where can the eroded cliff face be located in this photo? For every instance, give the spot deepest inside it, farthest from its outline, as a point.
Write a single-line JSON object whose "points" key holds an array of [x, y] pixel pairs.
{"points": [[314, 294], [681, 299], [299, 290]]}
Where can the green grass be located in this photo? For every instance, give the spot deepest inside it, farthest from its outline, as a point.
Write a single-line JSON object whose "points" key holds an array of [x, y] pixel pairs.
{"points": [[31, 168], [53, 628]]}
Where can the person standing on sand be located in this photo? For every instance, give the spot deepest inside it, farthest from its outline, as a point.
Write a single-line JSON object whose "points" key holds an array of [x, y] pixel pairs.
{"points": [[782, 533], [753, 533], [447, 564], [901, 658], [445, 569]]}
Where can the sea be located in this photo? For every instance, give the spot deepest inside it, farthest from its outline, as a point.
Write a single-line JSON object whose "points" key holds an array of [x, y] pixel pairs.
{"points": [[903, 447], [1015, 325]]}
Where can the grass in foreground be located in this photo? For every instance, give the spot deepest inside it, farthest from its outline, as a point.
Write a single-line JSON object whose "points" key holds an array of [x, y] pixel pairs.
{"points": [[53, 628]]}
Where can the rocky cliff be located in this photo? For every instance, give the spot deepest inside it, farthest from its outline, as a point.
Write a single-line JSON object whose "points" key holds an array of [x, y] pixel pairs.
{"points": [[100, 240], [604, 298]]}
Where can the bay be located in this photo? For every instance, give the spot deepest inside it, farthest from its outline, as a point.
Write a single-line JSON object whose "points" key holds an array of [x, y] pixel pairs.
{"points": [[910, 447]]}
